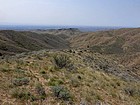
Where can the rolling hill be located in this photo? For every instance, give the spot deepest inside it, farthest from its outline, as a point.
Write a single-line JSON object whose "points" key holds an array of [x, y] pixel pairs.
{"points": [[63, 33], [113, 41], [123, 45], [16, 42], [69, 67]]}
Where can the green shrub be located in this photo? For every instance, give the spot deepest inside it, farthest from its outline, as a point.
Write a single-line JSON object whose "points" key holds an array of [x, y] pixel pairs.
{"points": [[61, 61], [42, 72], [5, 69], [45, 76], [98, 97], [61, 93], [75, 82], [41, 91], [21, 94], [55, 82], [20, 81], [19, 71], [132, 91]]}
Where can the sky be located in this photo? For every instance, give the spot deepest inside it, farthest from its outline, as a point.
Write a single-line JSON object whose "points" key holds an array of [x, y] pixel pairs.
{"points": [[70, 12]]}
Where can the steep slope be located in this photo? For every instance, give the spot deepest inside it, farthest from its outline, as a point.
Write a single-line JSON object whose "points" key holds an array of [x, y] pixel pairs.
{"points": [[70, 77], [16, 42]]}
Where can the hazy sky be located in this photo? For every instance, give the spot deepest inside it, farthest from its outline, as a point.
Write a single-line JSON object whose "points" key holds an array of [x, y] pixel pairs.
{"points": [[71, 12]]}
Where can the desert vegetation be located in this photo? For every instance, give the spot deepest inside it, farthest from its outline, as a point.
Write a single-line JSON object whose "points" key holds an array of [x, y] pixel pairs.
{"points": [[27, 79], [99, 68]]}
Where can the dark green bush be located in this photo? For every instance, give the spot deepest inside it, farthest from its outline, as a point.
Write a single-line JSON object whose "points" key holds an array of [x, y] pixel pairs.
{"points": [[61, 93]]}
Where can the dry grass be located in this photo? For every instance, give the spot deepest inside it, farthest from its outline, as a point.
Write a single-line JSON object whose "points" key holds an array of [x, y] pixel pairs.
{"points": [[84, 84]]}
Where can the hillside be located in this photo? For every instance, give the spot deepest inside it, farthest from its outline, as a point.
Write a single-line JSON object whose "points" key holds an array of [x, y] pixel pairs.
{"points": [[110, 42], [12, 42], [67, 77], [123, 45], [63, 33], [69, 67]]}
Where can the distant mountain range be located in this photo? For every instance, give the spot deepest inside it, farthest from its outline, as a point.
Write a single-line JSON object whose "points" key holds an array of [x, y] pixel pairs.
{"points": [[81, 28]]}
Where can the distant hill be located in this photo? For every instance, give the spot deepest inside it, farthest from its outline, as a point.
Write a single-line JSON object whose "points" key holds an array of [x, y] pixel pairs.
{"points": [[113, 41], [16, 42], [109, 42], [122, 45], [81, 28], [63, 33]]}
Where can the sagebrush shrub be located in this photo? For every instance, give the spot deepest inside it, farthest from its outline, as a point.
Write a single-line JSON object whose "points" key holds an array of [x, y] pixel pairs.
{"points": [[20, 81], [41, 91], [21, 94], [61, 93], [62, 61]]}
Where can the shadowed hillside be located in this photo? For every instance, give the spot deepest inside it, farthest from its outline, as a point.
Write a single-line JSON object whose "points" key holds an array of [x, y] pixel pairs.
{"points": [[16, 42]]}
